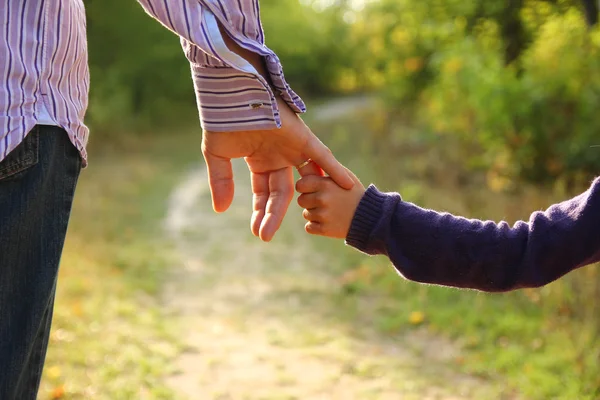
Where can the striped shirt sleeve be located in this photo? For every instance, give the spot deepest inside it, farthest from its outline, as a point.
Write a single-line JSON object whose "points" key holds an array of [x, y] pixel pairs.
{"points": [[231, 94]]}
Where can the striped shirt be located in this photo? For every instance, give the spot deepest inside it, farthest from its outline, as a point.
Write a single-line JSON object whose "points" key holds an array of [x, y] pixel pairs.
{"points": [[44, 76]]}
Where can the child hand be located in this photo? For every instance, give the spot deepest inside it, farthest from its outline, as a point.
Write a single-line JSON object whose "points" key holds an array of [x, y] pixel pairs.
{"points": [[329, 209]]}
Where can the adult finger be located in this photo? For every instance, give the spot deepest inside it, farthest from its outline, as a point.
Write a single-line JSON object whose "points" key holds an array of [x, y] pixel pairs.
{"points": [[260, 196], [353, 176], [220, 180], [281, 192], [312, 168], [324, 158], [309, 200]]}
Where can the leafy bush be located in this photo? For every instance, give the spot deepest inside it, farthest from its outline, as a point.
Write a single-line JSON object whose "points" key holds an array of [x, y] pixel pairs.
{"points": [[528, 103], [139, 76]]}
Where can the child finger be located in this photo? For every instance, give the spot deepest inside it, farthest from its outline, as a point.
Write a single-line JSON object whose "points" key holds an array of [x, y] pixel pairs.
{"points": [[308, 200], [314, 228], [309, 184], [312, 215]]}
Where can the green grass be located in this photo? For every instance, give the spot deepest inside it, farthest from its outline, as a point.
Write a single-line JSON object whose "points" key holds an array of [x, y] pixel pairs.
{"points": [[544, 343], [110, 339]]}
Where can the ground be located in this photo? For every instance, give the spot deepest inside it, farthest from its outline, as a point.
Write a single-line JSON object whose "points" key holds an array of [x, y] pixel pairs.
{"points": [[260, 319]]}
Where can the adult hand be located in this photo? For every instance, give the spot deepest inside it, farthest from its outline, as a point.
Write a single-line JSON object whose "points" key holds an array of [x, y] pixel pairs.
{"points": [[270, 155]]}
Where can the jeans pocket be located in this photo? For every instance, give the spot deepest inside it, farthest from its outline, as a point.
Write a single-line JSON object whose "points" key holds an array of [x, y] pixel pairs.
{"points": [[23, 157]]}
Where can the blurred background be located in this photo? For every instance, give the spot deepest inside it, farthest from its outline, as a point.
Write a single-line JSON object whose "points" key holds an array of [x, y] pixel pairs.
{"points": [[483, 109]]}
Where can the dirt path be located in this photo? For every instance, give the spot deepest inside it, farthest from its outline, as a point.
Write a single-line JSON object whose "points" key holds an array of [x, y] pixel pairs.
{"points": [[260, 323]]}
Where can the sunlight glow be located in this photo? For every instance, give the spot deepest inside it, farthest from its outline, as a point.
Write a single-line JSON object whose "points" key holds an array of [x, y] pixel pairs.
{"points": [[320, 5]]}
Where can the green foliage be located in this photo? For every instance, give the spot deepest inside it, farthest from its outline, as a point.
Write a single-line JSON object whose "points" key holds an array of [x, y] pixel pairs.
{"points": [[537, 122], [313, 46], [139, 76], [526, 101]]}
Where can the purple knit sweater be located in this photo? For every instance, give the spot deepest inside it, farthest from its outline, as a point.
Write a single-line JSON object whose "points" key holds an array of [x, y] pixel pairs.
{"points": [[439, 248]]}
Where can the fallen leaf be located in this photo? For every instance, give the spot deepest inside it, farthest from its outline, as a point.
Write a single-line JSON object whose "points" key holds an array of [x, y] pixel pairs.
{"points": [[77, 309], [416, 318], [58, 392]]}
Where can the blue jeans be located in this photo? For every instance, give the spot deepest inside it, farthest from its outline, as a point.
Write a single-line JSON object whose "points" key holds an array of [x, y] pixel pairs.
{"points": [[37, 183]]}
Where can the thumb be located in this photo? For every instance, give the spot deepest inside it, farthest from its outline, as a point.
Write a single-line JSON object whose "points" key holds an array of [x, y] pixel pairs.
{"points": [[220, 180]]}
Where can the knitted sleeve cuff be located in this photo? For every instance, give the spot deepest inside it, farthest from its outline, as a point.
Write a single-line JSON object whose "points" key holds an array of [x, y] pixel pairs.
{"points": [[365, 219]]}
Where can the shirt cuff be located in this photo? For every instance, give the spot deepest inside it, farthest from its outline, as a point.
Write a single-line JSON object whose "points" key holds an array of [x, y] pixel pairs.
{"points": [[365, 219], [235, 96], [275, 69], [232, 100]]}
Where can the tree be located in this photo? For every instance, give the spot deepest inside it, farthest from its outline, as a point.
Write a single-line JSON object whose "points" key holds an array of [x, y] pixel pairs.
{"points": [[590, 8], [512, 30]]}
